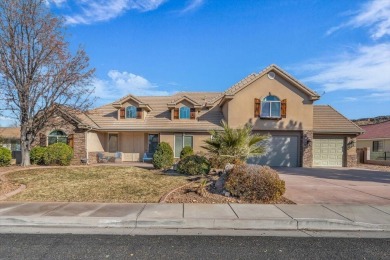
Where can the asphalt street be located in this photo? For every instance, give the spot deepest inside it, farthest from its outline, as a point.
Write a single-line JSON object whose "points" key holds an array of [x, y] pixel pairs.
{"points": [[68, 246]]}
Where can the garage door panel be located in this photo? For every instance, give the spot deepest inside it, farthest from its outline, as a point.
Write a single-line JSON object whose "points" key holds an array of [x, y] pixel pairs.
{"points": [[282, 151], [328, 151]]}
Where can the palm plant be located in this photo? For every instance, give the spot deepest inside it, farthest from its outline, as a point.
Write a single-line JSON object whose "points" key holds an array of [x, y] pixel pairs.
{"points": [[237, 144]]}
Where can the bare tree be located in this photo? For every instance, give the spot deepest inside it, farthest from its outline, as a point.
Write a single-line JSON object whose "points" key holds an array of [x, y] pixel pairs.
{"points": [[38, 73]]}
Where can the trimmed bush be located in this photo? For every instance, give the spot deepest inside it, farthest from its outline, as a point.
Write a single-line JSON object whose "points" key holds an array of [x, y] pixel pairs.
{"points": [[163, 157], [219, 162], [194, 165], [58, 154], [5, 156], [254, 182], [187, 150], [37, 155]]}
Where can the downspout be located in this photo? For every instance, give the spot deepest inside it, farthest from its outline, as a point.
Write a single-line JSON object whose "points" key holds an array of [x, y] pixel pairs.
{"points": [[86, 143]]}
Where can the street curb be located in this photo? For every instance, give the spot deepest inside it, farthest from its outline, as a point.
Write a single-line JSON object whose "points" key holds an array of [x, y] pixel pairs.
{"points": [[222, 224]]}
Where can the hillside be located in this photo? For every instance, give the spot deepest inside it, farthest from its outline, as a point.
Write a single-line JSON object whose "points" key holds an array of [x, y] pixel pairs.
{"points": [[371, 120]]}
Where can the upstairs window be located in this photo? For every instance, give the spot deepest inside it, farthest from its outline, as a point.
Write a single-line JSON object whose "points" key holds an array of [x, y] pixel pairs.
{"points": [[57, 136], [131, 112], [270, 107], [184, 113]]}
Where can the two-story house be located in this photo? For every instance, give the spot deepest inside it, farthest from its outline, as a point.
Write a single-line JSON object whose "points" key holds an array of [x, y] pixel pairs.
{"points": [[302, 134]]}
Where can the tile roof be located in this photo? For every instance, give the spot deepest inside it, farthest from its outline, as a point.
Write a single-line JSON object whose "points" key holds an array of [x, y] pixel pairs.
{"points": [[254, 76], [10, 132], [328, 120], [380, 130], [159, 118]]}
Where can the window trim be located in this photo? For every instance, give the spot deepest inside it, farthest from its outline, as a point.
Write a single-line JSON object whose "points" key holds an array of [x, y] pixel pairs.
{"points": [[135, 112], [57, 136], [174, 143], [379, 147], [189, 112], [264, 101]]}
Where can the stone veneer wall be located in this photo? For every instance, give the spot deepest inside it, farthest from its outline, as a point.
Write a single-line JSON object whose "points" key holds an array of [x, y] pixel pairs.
{"points": [[351, 154], [307, 149]]}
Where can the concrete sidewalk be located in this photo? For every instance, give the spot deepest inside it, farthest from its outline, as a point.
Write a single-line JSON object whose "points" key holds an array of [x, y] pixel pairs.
{"points": [[197, 216]]}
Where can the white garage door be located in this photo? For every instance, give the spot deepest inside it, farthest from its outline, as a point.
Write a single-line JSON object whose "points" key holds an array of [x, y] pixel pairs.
{"points": [[282, 151], [328, 152]]}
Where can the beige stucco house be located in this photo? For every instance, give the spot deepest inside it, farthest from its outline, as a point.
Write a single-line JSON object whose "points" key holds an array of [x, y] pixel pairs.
{"points": [[302, 134], [377, 140]]}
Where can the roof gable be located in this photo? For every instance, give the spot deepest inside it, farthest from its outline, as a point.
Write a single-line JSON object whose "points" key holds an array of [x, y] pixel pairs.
{"points": [[174, 103], [119, 103], [230, 92]]}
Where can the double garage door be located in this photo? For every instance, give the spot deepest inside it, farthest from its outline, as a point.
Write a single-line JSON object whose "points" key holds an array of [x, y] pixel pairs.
{"points": [[282, 151], [328, 152]]}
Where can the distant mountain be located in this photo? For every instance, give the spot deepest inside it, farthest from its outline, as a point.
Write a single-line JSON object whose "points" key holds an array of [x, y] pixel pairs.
{"points": [[371, 120]]}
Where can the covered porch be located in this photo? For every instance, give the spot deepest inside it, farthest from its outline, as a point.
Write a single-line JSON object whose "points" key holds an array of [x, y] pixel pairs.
{"points": [[123, 146]]}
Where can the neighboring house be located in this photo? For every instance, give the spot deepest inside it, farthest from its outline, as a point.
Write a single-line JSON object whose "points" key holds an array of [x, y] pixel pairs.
{"points": [[377, 139], [10, 138], [272, 101]]}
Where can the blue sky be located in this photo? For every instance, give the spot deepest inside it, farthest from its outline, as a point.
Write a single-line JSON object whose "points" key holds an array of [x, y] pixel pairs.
{"points": [[339, 48]]}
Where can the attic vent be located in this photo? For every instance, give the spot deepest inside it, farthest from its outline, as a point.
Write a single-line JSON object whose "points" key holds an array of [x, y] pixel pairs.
{"points": [[271, 75]]}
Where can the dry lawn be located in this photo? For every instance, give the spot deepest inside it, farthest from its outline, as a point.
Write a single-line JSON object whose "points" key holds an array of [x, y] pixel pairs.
{"points": [[94, 184]]}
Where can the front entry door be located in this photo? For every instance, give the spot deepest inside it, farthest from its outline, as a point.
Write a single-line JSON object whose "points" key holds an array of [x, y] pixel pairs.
{"points": [[152, 143], [112, 143]]}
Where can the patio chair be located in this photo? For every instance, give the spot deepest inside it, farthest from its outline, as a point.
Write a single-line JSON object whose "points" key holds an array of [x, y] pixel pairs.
{"points": [[147, 157], [101, 158]]}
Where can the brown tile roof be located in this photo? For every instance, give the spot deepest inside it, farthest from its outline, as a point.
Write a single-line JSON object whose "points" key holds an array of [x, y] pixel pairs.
{"points": [[159, 118], [380, 130], [328, 120], [10, 132]]}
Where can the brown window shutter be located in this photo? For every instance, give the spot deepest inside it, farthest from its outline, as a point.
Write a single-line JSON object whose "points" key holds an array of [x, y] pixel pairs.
{"points": [[257, 107], [176, 113], [139, 113], [42, 140], [71, 140], [283, 108], [122, 113], [192, 114]]}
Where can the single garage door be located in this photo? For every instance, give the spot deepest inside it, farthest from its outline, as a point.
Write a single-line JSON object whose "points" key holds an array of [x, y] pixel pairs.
{"points": [[282, 151], [328, 152]]}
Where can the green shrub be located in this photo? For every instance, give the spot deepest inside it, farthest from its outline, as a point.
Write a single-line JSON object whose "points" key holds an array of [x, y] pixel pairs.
{"points": [[187, 150], [219, 162], [58, 154], [5, 156], [254, 182], [37, 155], [194, 165], [163, 157]]}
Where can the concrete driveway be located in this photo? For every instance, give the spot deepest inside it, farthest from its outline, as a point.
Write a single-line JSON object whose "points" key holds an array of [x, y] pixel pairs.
{"points": [[336, 186]]}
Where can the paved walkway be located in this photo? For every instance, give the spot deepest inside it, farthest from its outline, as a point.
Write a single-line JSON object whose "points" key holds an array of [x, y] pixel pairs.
{"points": [[348, 186], [199, 216]]}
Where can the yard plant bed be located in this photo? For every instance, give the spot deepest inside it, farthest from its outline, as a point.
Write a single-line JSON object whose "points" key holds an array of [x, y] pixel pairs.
{"points": [[93, 184], [189, 194]]}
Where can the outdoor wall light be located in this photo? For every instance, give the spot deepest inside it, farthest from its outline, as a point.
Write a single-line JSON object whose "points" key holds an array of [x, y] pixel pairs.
{"points": [[351, 144]]}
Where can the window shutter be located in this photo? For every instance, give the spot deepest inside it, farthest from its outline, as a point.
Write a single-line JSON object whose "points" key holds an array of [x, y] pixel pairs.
{"points": [[283, 108], [176, 113], [42, 140], [192, 114], [139, 113], [257, 107], [71, 141], [122, 113]]}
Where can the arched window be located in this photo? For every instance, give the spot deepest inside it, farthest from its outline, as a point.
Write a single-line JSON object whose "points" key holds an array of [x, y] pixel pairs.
{"points": [[131, 112], [184, 113], [57, 136], [270, 107]]}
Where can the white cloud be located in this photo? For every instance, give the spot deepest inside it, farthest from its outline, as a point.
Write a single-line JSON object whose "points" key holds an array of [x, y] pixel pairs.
{"points": [[103, 10], [123, 83], [367, 68], [193, 5], [56, 2], [374, 14]]}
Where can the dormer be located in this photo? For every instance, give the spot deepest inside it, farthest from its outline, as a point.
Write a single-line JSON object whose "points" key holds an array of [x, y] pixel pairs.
{"points": [[131, 107], [184, 108]]}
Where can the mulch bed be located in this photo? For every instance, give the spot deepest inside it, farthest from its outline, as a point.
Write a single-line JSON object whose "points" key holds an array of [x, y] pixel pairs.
{"points": [[188, 194]]}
